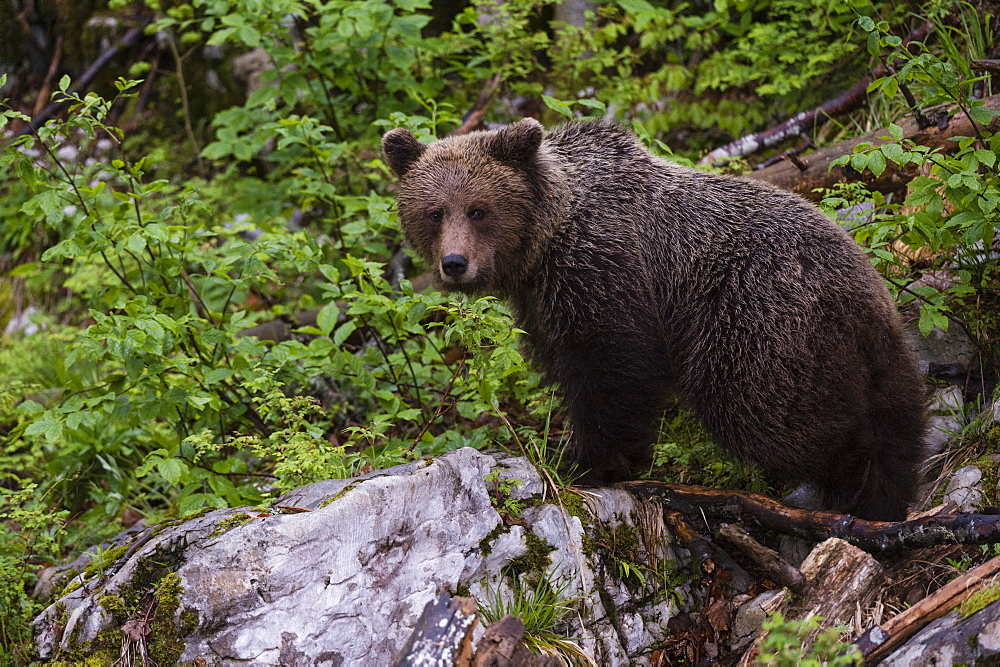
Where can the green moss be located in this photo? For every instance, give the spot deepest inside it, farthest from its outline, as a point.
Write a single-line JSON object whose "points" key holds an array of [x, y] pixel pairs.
{"points": [[177, 522], [115, 606], [576, 506], [537, 561], [486, 544], [231, 522], [979, 600], [337, 496], [165, 639], [74, 583]]}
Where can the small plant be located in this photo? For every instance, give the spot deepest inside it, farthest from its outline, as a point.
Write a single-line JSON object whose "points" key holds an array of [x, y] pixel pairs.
{"points": [[788, 643], [500, 490], [543, 608]]}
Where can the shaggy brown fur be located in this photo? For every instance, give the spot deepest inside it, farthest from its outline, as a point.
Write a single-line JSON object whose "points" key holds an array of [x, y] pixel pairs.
{"points": [[635, 277]]}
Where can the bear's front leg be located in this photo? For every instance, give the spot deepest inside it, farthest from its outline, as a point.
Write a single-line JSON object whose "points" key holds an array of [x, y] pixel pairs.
{"points": [[614, 403]]}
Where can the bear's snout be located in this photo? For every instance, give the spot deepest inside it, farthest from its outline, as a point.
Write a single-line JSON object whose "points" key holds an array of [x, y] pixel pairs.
{"points": [[454, 265]]}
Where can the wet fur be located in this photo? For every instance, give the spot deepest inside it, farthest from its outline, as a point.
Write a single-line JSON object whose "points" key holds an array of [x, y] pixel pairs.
{"points": [[636, 278]]}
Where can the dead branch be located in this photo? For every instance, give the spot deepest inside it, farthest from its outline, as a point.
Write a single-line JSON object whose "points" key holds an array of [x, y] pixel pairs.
{"points": [[872, 536], [503, 644], [855, 97], [482, 105], [985, 65], [812, 171], [769, 560], [878, 641]]}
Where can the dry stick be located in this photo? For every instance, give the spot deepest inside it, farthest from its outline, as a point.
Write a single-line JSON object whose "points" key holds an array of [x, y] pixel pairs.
{"points": [[876, 642], [803, 122], [478, 111], [768, 559], [130, 38], [47, 83], [985, 65], [872, 536]]}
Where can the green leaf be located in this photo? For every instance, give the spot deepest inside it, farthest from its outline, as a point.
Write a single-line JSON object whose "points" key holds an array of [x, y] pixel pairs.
{"points": [[345, 330], [982, 115], [327, 317], [171, 469], [859, 161], [26, 269], [876, 162], [931, 317], [558, 106]]}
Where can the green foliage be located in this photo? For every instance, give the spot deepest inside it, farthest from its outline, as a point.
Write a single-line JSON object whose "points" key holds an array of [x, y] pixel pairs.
{"points": [[685, 454], [30, 536], [801, 643], [950, 214]]}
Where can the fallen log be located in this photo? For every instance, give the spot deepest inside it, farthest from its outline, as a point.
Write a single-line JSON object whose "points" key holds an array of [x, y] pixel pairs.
{"points": [[812, 171], [876, 537], [769, 560], [838, 577], [878, 641]]}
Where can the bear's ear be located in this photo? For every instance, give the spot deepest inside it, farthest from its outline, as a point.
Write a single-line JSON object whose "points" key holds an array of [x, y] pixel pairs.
{"points": [[516, 144], [402, 150]]}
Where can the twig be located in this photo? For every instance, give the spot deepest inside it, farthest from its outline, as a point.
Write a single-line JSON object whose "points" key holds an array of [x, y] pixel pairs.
{"points": [[482, 105]]}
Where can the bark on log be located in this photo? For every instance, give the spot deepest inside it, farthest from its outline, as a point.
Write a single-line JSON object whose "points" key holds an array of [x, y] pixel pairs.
{"points": [[872, 536], [855, 97], [877, 642], [443, 635], [816, 174]]}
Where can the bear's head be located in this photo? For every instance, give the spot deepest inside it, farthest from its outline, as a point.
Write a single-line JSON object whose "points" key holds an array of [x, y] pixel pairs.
{"points": [[470, 205]]}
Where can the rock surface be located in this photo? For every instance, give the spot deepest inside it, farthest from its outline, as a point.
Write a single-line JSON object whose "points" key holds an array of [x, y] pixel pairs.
{"points": [[965, 489], [953, 639], [344, 583]]}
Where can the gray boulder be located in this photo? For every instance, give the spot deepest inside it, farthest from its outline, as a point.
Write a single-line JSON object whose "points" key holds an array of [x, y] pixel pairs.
{"points": [[338, 572]]}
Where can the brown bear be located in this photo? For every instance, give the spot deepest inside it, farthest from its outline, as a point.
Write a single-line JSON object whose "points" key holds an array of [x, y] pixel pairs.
{"points": [[636, 278]]}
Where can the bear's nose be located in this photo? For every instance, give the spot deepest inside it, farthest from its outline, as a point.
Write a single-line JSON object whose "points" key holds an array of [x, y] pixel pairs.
{"points": [[454, 265]]}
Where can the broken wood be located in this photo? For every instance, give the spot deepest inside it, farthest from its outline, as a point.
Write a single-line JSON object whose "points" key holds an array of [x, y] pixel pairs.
{"points": [[878, 641], [443, 634], [502, 645], [838, 577], [806, 121], [769, 560], [872, 536], [985, 65]]}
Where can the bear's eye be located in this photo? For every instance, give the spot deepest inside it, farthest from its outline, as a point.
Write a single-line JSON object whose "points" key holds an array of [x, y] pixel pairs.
{"points": [[476, 214], [436, 216]]}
